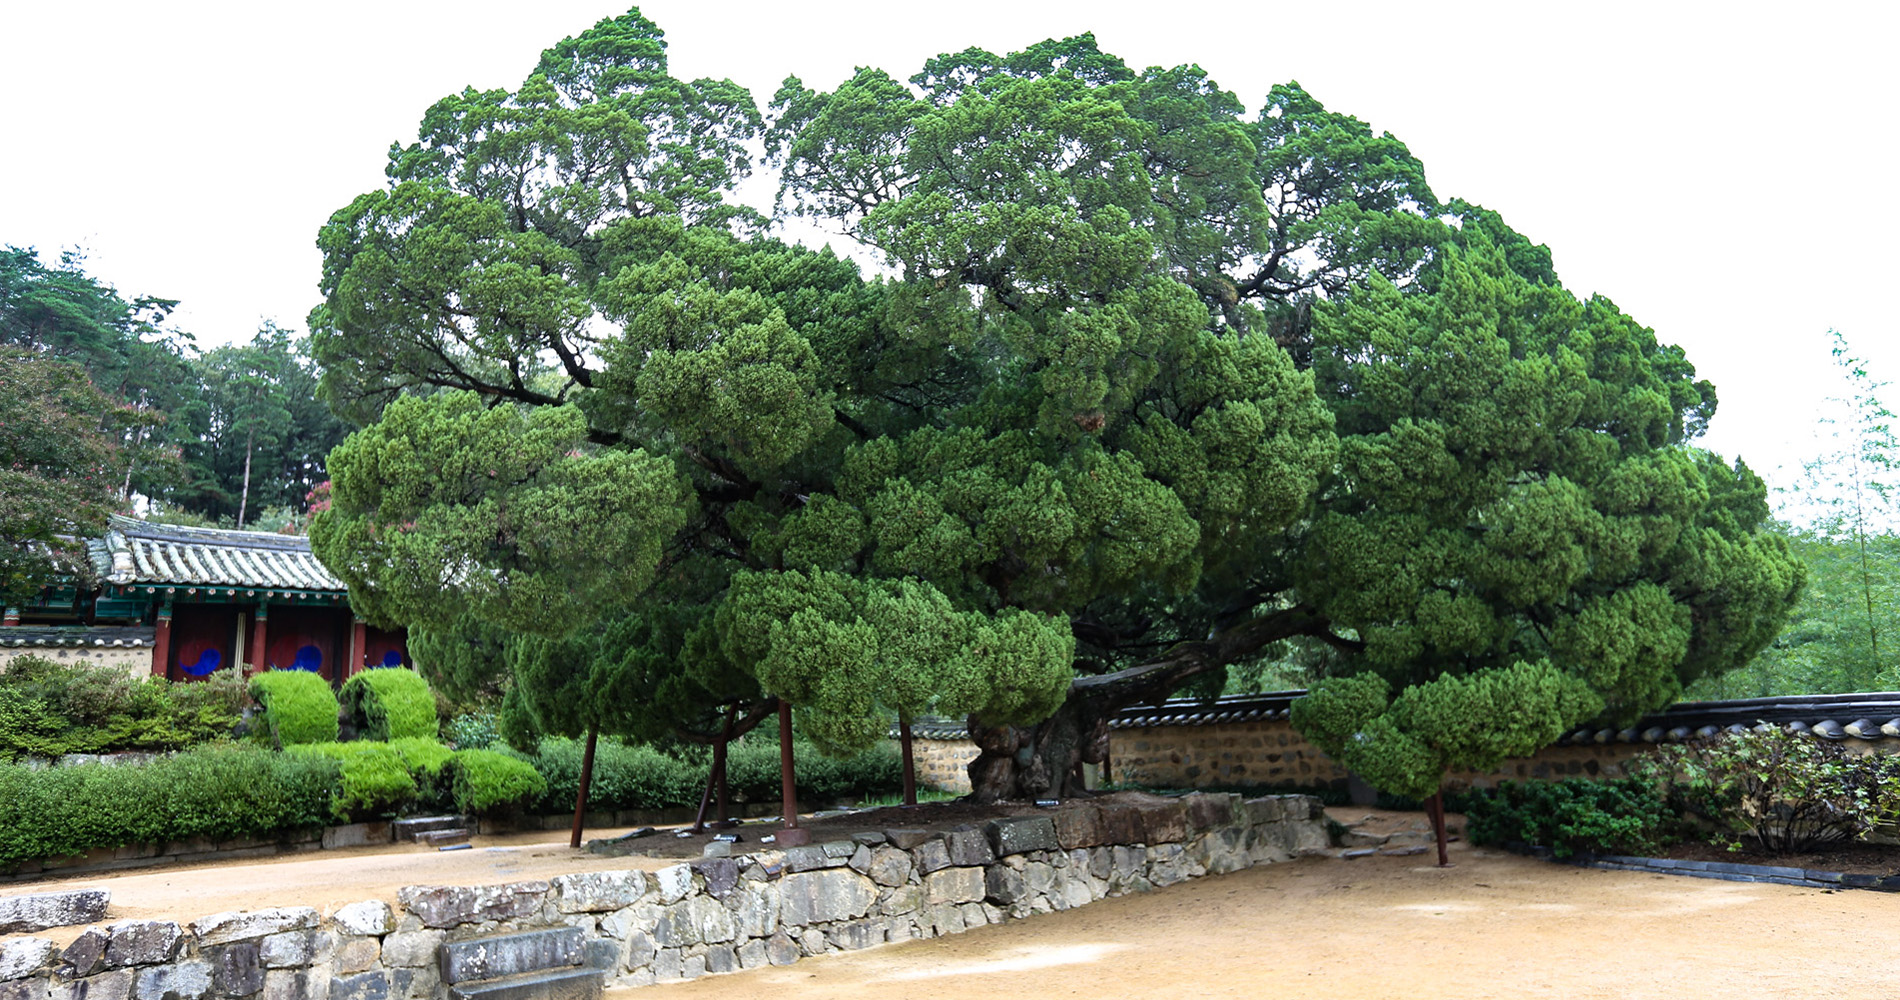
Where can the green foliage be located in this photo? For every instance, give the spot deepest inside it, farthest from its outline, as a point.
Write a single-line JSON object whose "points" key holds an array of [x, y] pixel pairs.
{"points": [[60, 469], [1146, 369], [376, 778], [421, 754], [1784, 791], [299, 706], [48, 709], [217, 792], [491, 781], [472, 731], [1575, 815], [642, 777], [390, 703]]}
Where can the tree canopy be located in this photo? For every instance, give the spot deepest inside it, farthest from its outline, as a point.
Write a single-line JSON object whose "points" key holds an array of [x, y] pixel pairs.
{"points": [[1148, 384]]}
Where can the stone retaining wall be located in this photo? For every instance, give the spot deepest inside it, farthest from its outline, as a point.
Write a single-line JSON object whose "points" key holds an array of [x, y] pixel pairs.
{"points": [[687, 920], [1263, 753]]}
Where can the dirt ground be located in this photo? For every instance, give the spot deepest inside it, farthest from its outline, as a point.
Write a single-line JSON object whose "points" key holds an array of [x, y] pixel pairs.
{"points": [[1493, 925], [328, 879]]}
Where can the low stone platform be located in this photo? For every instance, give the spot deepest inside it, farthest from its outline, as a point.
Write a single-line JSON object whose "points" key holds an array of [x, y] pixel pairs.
{"points": [[714, 915]]}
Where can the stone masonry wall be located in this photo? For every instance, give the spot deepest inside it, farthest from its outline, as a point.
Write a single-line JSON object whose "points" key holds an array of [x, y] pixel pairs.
{"points": [[135, 661], [1273, 753], [687, 920], [943, 764]]}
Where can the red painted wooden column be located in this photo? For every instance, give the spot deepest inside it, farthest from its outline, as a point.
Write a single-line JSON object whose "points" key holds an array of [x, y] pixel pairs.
{"points": [[359, 643], [12, 617], [162, 640], [258, 663]]}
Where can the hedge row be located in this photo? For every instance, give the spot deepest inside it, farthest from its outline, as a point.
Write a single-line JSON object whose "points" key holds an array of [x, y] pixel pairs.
{"points": [[641, 777], [389, 703], [50, 709], [420, 775], [299, 706], [218, 792]]}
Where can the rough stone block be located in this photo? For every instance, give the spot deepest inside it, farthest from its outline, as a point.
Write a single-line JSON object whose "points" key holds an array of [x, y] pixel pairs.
{"points": [[954, 885], [869, 838], [889, 866], [223, 928], [908, 839], [930, 856], [1077, 826], [559, 984], [1022, 834], [288, 950], [86, 955], [142, 942], [901, 900], [781, 950], [752, 954], [237, 969], [298, 984], [410, 949], [115, 985], [673, 882], [1004, 886], [363, 986], [594, 892], [1121, 823], [24, 989], [357, 954], [1163, 822], [22, 957], [42, 910], [601, 953], [183, 981], [969, 847], [1207, 810], [510, 954], [668, 963], [454, 905], [371, 916], [1261, 811], [721, 958], [755, 908], [859, 935], [721, 874], [824, 896], [811, 857]]}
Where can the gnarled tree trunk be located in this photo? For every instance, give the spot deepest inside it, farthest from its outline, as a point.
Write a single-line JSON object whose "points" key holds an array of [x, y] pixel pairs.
{"points": [[1039, 761]]}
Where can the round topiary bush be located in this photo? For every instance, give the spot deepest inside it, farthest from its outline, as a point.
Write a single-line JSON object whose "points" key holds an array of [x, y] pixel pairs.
{"points": [[299, 706], [390, 703], [489, 781]]}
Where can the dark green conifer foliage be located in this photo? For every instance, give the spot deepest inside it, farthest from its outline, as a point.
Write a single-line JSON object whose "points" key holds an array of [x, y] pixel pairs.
{"points": [[1151, 383]]}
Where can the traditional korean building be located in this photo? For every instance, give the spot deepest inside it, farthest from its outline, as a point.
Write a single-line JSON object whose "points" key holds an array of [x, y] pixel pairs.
{"points": [[182, 602]]}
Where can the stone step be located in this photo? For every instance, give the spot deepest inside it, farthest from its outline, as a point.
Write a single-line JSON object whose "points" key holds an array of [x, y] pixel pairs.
{"points": [[556, 984], [440, 838], [500, 955], [406, 829]]}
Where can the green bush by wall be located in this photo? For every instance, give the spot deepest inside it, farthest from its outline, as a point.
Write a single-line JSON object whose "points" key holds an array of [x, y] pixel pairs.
{"points": [[49, 709], [390, 703], [299, 706], [640, 777], [219, 792], [489, 781], [375, 781]]}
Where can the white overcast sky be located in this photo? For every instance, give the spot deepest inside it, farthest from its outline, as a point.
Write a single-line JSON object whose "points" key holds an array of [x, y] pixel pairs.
{"points": [[1722, 170]]}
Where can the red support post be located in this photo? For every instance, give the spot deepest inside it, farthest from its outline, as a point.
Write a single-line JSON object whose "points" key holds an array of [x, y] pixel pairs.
{"points": [[12, 617], [359, 644], [258, 636], [162, 641]]}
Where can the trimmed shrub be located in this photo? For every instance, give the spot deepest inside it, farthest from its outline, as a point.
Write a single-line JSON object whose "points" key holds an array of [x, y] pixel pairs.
{"points": [[49, 709], [489, 781], [390, 703], [375, 781], [299, 706], [426, 759], [472, 731], [641, 777], [1785, 792], [218, 792], [1620, 816]]}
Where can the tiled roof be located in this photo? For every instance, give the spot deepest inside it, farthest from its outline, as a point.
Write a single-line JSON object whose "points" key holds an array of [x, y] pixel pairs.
{"points": [[139, 553], [1835, 716], [68, 637]]}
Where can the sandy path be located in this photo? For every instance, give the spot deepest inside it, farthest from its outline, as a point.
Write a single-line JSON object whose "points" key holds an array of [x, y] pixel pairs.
{"points": [[331, 878], [1493, 925]]}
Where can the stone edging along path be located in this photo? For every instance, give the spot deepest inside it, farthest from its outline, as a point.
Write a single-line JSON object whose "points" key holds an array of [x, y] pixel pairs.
{"points": [[1728, 871], [687, 920]]}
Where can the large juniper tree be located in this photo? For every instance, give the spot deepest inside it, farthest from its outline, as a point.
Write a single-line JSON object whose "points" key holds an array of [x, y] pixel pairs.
{"points": [[1149, 384]]}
